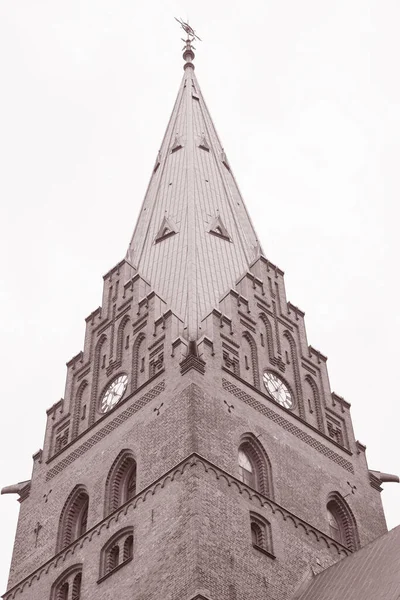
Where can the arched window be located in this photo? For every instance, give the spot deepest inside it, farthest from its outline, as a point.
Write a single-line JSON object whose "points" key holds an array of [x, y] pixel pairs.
{"points": [[128, 547], [62, 592], [261, 535], [246, 469], [341, 522], [74, 516], [334, 527], [112, 558], [76, 587], [117, 551], [68, 585], [256, 534], [121, 481], [254, 465]]}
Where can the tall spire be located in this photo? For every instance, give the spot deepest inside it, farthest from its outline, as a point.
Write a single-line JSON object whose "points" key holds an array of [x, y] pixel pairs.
{"points": [[194, 237]]}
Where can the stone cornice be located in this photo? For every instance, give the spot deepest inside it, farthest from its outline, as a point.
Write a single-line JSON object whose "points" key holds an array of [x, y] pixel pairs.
{"points": [[193, 460]]}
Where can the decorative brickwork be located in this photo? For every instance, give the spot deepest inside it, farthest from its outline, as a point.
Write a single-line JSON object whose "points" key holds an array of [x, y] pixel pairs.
{"points": [[268, 335], [194, 461], [117, 551], [78, 414], [73, 519], [296, 372], [346, 521], [270, 414], [121, 481], [194, 299], [254, 359], [261, 534], [98, 361], [99, 435], [68, 585], [136, 356], [337, 429], [317, 401], [259, 459]]}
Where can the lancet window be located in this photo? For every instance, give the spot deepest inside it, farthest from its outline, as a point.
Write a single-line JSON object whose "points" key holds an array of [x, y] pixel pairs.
{"points": [[74, 517], [341, 522], [121, 481], [254, 465]]}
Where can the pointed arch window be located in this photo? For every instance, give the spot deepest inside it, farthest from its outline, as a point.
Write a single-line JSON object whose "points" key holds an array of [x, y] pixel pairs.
{"points": [[76, 587], [261, 534], [121, 481], [116, 552], [246, 469], [68, 585], [74, 517], [334, 527], [254, 465], [341, 522]]}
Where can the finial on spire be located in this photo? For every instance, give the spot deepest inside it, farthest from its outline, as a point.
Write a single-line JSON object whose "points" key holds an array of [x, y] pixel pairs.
{"points": [[188, 54]]}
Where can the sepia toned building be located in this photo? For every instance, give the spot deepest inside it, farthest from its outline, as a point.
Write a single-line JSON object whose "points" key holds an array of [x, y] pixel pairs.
{"points": [[198, 452]]}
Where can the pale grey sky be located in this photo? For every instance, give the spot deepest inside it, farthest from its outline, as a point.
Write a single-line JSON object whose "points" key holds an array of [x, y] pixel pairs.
{"points": [[305, 96]]}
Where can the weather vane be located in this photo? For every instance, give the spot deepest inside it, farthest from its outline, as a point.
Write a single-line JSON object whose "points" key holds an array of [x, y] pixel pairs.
{"points": [[189, 30]]}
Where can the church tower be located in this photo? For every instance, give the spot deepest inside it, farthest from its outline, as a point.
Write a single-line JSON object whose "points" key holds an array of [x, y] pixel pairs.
{"points": [[198, 452]]}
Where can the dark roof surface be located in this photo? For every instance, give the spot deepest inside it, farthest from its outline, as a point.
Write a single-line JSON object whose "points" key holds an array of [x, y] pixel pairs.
{"points": [[372, 573]]}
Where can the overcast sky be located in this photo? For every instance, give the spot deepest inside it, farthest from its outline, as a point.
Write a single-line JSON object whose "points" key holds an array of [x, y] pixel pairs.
{"points": [[305, 96]]}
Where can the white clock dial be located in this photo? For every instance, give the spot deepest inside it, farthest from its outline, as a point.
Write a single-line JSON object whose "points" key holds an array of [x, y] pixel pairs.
{"points": [[113, 393], [277, 389]]}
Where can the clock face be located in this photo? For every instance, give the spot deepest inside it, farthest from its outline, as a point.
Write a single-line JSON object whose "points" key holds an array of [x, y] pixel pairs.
{"points": [[278, 389], [114, 392]]}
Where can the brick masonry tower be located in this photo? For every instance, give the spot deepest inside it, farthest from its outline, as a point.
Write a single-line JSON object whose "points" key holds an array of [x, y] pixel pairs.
{"points": [[198, 453]]}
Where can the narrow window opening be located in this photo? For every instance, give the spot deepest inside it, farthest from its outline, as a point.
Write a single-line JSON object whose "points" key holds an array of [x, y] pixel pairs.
{"points": [[128, 547], [76, 587], [246, 470], [261, 537], [62, 593], [83, 520], [117, 551], [131, 486], [112, 559], [334, 527]]}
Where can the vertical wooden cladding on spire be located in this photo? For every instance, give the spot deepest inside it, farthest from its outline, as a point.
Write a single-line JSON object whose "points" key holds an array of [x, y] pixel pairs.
{"points": [[192, 188]]}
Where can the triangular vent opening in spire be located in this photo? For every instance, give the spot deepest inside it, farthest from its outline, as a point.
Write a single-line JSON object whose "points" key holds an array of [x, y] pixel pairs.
{"points": [[204, 144], [218, 228], [158, 162], [225, 160], [167, 229], [176, 145]]}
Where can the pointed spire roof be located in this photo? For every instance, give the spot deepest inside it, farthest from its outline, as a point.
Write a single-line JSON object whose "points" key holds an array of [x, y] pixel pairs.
{"points": [[194, 237]]}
